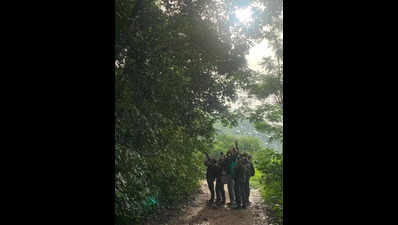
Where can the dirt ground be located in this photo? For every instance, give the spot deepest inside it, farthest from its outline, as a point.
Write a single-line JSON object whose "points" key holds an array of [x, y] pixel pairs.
{"points": [[196, 211]]}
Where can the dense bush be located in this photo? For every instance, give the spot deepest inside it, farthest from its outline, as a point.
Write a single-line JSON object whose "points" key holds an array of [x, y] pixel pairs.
{"points": [[146, 182], [270, 163]]}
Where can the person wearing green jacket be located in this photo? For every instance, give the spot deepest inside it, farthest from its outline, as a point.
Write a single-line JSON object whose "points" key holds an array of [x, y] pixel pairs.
{"points": [[229, 165]]}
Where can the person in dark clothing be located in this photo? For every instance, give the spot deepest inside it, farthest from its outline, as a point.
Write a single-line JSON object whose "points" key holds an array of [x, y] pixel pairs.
{"points": [[211, 174], [220, 192], [242, 170], [237, 183], [214, 173], [237, 179]]}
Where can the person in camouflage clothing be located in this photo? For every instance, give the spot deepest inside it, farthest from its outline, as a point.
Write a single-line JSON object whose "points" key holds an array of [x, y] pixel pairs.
{"points": [[243, 173], [237, 188]]}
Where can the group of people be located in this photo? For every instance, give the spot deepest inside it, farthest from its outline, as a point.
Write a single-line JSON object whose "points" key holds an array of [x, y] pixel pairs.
{"points": [[234, 169]]}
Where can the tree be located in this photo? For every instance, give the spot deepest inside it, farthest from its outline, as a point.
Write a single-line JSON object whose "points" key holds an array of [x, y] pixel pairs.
{"points": [[249, 144], [177, 64], [267, 86]]}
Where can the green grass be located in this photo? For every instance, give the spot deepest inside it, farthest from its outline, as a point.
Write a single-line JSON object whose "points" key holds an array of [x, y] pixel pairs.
{"points": [[256, 179]]}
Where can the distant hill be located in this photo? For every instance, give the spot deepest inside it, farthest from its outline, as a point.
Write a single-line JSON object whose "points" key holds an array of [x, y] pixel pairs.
{"points": [[245, 128]]}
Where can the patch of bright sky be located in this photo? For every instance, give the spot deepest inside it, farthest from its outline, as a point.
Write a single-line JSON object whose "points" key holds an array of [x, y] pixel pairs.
{"points": [[244, 15], [260, 50], [256, 54]]}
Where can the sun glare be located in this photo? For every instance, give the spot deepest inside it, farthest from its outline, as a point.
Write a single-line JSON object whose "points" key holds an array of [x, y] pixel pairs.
{"points": [[244, 15]]}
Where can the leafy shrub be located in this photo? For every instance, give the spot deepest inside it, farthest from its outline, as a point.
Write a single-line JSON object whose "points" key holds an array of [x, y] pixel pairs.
{"points": [[255, 181], [270, 163]]}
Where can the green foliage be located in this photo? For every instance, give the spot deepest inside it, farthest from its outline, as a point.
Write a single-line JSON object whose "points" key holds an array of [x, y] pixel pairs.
{"points": [[255, 181], [177, 64], [164, 177], [223, 143], [249, 144], [268, 88], [270, 163], [245, 129], [267, 85]]}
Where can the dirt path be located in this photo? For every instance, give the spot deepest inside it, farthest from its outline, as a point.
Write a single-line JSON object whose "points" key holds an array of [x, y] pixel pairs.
{"points": [[197, 212]]}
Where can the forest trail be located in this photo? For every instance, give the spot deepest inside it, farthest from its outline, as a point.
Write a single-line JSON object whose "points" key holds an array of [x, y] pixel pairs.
{"points": [[198, 212]]}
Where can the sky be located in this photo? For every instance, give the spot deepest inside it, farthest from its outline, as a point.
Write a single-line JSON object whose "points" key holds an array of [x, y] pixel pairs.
{"points": [[258, 51]]}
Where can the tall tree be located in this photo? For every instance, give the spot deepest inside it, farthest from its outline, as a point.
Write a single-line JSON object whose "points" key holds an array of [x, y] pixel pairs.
{"points": [[267, 86]]}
